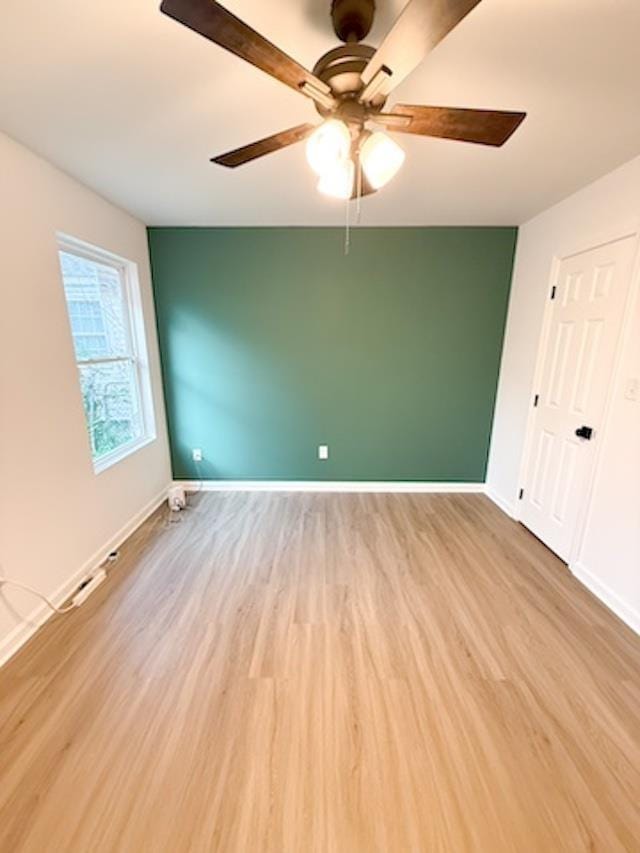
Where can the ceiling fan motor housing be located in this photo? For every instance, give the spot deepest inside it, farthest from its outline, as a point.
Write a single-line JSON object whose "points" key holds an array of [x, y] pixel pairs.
{"points": [[340, 69], [352, 19]]}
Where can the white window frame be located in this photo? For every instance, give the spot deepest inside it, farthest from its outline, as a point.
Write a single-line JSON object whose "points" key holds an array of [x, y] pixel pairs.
{"points": [[135, 330]]}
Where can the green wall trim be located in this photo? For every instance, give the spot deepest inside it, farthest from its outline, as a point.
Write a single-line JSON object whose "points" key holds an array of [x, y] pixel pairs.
{"points": [[273, 341]]}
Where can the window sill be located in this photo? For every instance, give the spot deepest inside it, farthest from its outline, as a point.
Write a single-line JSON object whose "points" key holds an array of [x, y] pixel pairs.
{"points": [[121, 453]]}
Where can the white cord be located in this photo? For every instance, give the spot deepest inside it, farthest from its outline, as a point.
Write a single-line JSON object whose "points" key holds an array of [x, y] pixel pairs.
{"points": [[200, 482], [174, 516], [200, 477], [5, 582]]}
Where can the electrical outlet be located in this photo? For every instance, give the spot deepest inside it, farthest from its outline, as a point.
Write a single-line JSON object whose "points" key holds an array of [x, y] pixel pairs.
{"points": [[323, 451], [196, 453], [632, 391]]}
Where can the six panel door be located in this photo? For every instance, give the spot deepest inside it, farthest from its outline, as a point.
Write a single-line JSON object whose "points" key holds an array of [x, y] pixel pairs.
{"points": [[585, 326]]}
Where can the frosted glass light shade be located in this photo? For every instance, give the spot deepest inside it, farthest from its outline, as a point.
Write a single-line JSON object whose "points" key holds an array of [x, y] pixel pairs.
{"points": [[381, 158], [328, 146], [338, 182]]}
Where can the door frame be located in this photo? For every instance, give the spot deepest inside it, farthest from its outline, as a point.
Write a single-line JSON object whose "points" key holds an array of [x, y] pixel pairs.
{"points": [[587, 243]]}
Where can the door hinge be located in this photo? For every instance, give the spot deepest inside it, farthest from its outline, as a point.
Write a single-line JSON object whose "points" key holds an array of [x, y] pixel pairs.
{"points": [[536, 400], [553, 292], [521, 494]]}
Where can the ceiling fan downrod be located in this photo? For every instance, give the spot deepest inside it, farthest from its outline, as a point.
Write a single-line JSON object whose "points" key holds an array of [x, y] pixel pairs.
{"points": [[352, 19]]}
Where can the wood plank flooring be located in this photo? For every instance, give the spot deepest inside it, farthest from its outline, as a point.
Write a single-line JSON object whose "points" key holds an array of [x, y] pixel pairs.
{"points": [[302, 673]]}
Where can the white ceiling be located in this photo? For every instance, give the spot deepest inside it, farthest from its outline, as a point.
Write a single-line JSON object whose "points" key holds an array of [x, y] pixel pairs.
{"points": [[133, 104]]}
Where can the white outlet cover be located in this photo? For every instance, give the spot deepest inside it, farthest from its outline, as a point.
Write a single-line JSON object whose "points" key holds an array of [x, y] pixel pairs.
{"points": [[323, 451], [197, 454], [633, 389]]}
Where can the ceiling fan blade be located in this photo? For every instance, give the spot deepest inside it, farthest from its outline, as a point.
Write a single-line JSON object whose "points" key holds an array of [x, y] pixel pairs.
{"points": [[264, 146], [214, 22], [422, 24], [484, 127]]}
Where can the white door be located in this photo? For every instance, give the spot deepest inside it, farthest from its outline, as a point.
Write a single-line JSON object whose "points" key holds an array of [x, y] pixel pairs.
{"points": [[584, 330]]}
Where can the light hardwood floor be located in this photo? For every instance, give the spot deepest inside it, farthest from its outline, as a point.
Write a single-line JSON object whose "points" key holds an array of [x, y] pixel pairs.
{"points": [[301, 673]]}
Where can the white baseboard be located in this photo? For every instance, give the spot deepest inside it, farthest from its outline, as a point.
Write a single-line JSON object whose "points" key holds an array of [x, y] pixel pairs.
{"points": [[601, 591], [363, 486], [607, 596], [505, 506], [28, 627]]}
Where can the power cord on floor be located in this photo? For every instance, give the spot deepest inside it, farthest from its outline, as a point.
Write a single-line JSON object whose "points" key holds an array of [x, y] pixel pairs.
{"points": [[174, 515], [26, 588], [200, 479], [113, 556]]}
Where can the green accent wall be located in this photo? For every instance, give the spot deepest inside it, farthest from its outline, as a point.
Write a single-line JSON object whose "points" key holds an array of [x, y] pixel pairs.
{"points": [[273, 342]]}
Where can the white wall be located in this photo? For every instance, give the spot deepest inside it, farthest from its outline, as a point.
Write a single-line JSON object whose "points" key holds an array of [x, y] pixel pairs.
{"points": [[609, 559], [57, 517]]}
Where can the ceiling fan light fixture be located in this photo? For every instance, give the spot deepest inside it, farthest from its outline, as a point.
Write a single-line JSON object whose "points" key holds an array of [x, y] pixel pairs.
{"points": [[328, 146], [338, 181], [381, 159]]}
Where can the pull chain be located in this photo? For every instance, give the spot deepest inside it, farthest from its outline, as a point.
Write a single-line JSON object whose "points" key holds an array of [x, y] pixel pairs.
{"points": [[347, 238]]}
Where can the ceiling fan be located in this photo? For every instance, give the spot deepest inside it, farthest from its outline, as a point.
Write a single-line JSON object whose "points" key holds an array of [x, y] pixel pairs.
{"points": [[350, 86]]}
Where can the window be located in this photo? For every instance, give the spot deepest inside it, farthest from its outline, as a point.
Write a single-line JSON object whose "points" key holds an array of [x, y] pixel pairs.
{"points": [[105, 314]]}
